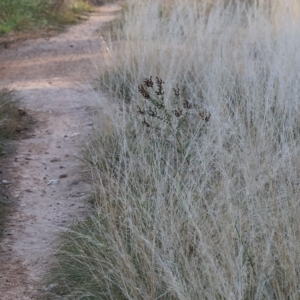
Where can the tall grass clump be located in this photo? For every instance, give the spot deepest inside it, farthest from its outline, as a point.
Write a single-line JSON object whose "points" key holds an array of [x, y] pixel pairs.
{"points": [[196, 181]]}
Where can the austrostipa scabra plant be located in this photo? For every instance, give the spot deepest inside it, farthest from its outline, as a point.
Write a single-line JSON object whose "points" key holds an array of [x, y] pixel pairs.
{"points": [[219, 220], [170, 120]]}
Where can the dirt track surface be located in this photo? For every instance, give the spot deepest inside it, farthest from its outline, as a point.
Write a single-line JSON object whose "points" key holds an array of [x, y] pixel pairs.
{"points": [[51, 77]]}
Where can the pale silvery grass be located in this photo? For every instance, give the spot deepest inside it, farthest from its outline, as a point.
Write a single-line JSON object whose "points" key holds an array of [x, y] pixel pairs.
{"points": [[222, 220]]}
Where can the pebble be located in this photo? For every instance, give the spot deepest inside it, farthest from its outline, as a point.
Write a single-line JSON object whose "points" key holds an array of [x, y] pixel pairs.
{"points": [[76, 194], [63, 175], [53, 182], [74, 134], [55, 159]]}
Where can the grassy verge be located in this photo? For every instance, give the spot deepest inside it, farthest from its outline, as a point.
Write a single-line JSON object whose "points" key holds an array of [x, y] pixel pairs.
{"points": [[32, 15], [196, 183], [13, 121]]}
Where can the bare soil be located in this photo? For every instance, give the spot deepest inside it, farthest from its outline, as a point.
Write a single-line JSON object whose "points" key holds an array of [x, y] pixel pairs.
{"points": [[51, 76]]}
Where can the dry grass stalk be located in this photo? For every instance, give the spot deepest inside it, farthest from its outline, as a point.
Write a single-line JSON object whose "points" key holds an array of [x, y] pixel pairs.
{"points": [[219, 220]]}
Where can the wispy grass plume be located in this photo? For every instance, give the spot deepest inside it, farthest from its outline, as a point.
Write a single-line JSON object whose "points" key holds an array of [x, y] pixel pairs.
{"points": [[206, 207]]}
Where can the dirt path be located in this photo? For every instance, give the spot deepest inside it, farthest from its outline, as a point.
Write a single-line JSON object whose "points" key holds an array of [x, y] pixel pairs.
{"points": [[50, 76]]}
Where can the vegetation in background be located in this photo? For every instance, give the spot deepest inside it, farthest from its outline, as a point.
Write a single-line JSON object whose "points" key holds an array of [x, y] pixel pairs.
{"points": [[101, 2], [196, 180], [19, 15]]}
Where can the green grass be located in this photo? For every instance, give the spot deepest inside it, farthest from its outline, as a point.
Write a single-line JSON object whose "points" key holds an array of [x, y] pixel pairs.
{"points": [[31, 15]]}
